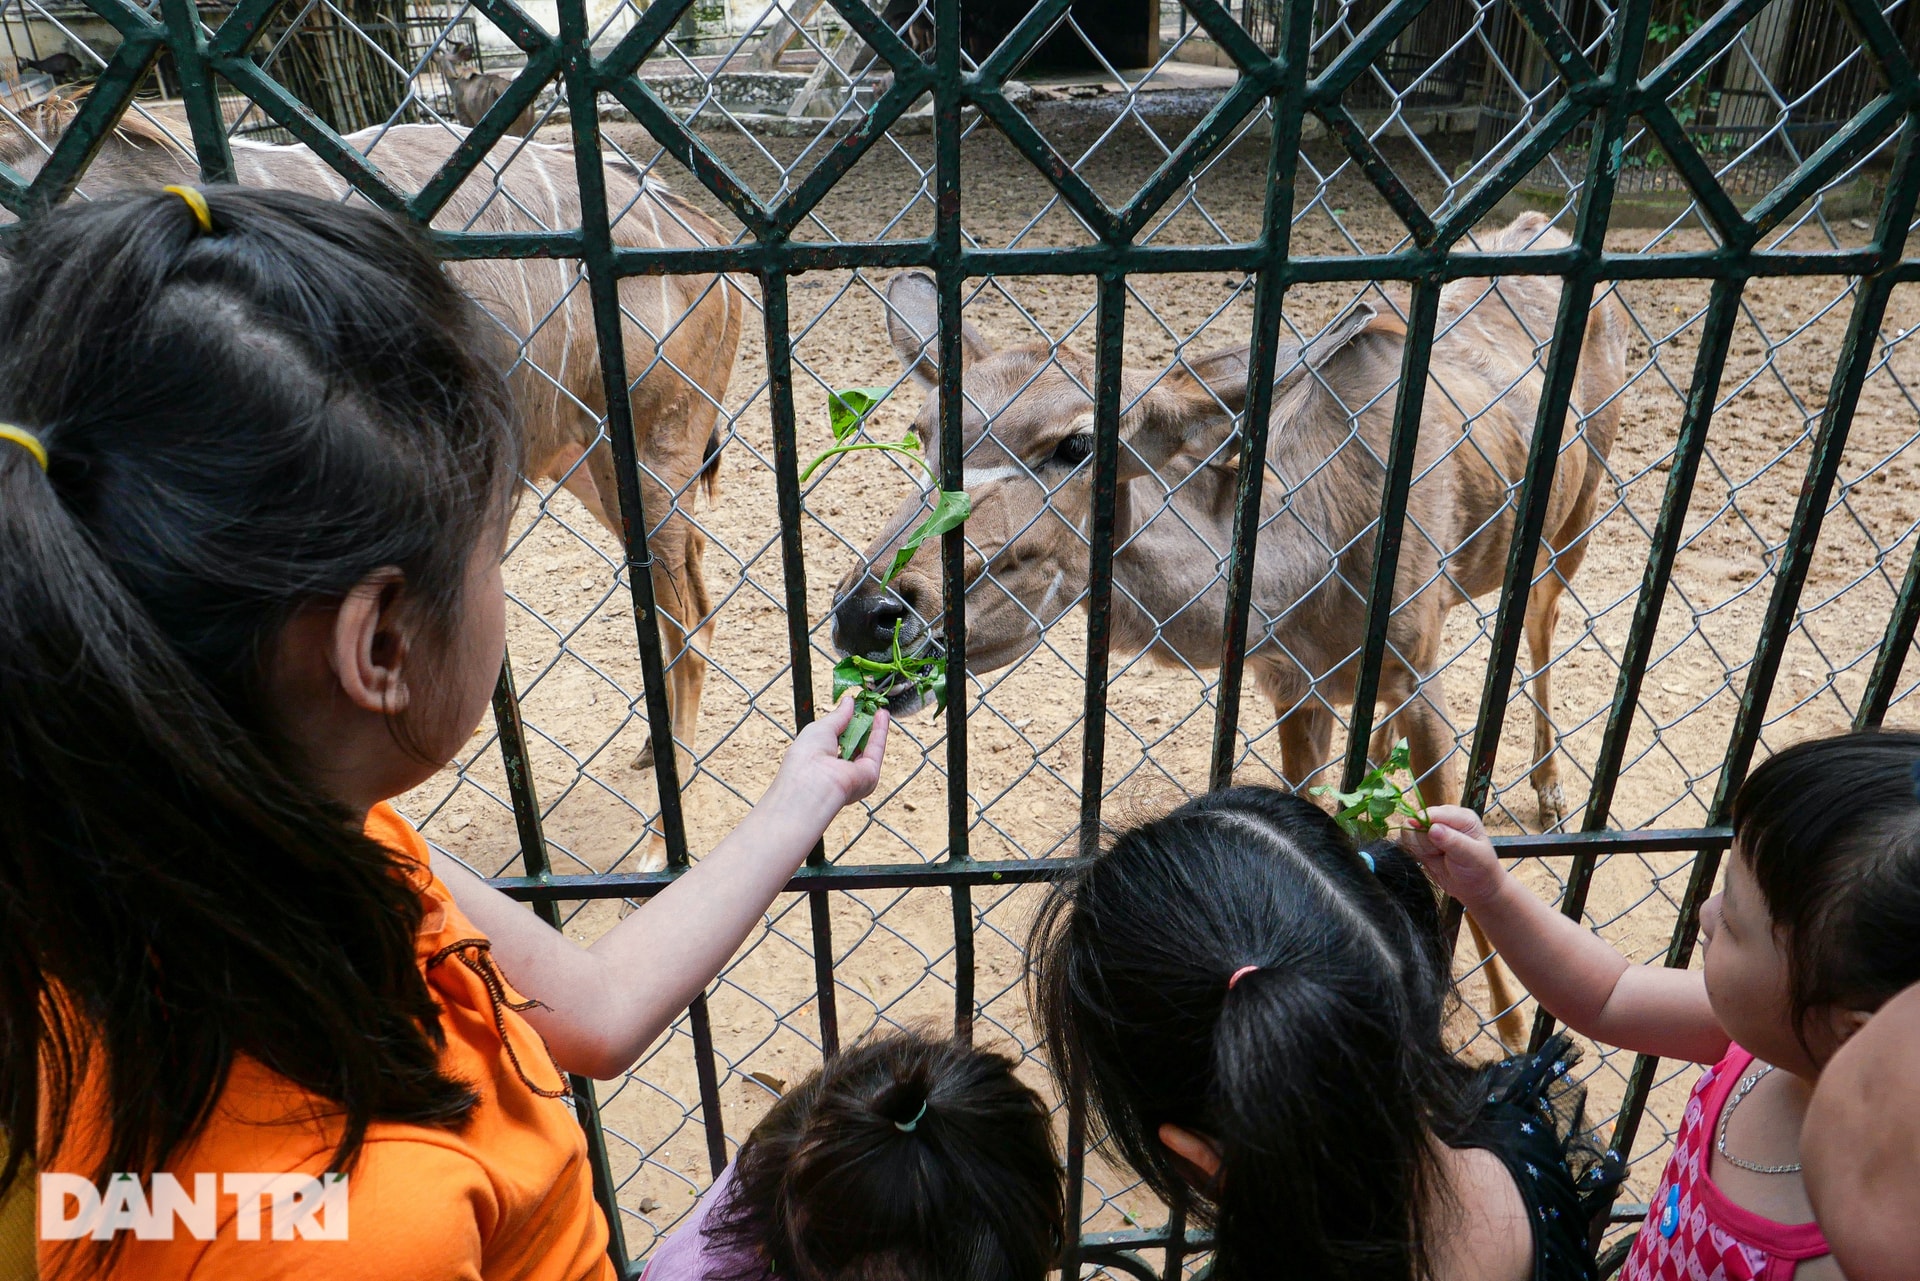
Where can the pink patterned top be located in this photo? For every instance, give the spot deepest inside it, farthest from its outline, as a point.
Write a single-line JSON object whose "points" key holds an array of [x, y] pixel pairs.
{"points": [[1692, 1230]]}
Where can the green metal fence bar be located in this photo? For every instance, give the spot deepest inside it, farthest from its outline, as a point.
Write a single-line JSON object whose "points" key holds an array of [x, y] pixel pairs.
{"points": [[1423, 314], [520, 788], [1722, 314], [1263, 356], [96, 117], [775, 304], [534, 857], [1543, 451], [187, 41], [1891, 658], [1110, 341], [604, 286], [1079, 260], [1031, 871], [948, 92], [596, 231]]}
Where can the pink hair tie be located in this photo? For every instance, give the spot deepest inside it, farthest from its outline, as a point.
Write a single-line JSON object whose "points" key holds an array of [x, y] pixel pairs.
{"points": [[1239, 974]]}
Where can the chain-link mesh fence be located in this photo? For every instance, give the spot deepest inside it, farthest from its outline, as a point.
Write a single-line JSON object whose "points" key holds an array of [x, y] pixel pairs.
{"points": [[709, 207]]}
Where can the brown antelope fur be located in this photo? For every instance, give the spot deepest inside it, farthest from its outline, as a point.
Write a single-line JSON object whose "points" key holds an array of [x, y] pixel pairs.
{"points": [[473, 91], [1027, 560], [678, 383]]}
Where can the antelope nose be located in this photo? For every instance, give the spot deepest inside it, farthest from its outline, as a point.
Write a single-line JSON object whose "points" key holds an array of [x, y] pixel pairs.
{"points": [[863, 623]]}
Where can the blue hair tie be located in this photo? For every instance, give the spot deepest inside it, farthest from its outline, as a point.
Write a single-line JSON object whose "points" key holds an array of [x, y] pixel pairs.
{"points": [[1368, 860], [908, 1127]]}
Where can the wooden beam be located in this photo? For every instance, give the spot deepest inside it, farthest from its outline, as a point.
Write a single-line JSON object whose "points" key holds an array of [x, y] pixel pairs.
{"points": [[785, 30]]}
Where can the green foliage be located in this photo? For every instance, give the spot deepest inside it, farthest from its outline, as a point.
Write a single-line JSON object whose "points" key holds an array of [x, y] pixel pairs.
{"points": [[847, 409], [872, 682], [949, 510], [1684, 24], [1367, 811]]}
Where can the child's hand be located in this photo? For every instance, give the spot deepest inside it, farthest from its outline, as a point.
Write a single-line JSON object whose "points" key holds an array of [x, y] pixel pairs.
{"points": [[813, 775], [1456, 853]]}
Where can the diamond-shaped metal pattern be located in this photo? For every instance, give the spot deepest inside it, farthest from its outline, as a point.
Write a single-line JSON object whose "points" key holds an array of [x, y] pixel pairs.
{"points": [[1738, 182]]}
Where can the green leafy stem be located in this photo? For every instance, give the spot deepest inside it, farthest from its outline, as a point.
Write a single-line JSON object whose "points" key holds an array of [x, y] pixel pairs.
{"points": [[872, 680], [1367, 810]]}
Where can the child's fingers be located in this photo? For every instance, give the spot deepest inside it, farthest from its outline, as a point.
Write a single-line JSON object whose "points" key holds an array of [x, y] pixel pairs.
{"points": [[1417, 841], [876, 747], [1456, 819], [836, 720]]}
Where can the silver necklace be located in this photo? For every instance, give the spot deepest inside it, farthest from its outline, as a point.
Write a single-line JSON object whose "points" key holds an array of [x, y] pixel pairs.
{"points": [[1726, 1114]]}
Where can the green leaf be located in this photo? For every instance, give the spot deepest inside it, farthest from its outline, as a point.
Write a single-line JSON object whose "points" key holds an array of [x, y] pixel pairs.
{"points": [[934, 683], [1367, 810], [853, 739], [1346, 800], [847, 408], [949, 510], [846, 676]]}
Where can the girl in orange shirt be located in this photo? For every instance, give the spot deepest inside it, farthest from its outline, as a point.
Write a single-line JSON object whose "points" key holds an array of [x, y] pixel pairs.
{"points": [[256, 463]]}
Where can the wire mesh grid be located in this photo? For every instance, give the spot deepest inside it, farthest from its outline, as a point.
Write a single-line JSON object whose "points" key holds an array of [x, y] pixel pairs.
{"points": [[712, 216]]}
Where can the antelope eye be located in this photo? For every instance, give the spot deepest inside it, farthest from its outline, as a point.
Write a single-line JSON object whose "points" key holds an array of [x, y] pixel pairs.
{"points": [[1074, 450]]}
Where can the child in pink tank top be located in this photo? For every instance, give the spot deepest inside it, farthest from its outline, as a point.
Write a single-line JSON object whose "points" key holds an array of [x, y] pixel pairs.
{"points": [[1817, 925], [1692, 1228]]}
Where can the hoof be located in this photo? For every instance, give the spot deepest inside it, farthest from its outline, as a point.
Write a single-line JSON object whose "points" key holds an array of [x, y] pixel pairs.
{"points": [[1553, 806], [651, 857], [644, 761]]}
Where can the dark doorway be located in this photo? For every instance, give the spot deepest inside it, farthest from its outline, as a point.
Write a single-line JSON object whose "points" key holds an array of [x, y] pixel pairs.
{"points": [[1121, 30]]}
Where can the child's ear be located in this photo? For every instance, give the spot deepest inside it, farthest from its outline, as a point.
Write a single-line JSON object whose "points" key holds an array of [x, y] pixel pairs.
{"points": [[369, 646], [1194, 1155], [1848, 1022]]}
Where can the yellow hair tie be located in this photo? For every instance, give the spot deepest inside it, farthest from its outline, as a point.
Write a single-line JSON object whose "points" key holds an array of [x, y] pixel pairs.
{"points": [[197, 203], [27, 441]]}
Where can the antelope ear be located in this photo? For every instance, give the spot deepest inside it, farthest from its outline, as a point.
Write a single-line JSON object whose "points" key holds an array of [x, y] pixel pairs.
{"points": [[1223, 373], [1176, 416], [1363, 318], [913, 322]]}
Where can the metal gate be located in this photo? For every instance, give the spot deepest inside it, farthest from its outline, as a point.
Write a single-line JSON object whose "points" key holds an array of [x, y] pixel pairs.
{"points": [[1761, 571]]}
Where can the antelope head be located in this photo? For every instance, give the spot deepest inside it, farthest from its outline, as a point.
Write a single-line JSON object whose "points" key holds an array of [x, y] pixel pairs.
{"points": [[1027, 424]]}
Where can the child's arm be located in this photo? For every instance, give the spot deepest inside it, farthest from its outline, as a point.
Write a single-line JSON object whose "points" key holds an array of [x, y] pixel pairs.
{"points": [[1574, 974], [605, 1004]]}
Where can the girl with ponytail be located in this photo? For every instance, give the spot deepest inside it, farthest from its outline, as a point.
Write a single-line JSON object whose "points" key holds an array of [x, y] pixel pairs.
{"points": [[902, 1159], [256, 472], [1254, 1008]]}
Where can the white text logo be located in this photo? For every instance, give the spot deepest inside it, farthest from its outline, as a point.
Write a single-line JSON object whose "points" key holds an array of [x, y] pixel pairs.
{"points": [[314, 1209]]}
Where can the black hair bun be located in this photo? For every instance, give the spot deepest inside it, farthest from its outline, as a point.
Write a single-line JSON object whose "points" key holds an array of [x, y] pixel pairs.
{"points": [[905, 1105]]}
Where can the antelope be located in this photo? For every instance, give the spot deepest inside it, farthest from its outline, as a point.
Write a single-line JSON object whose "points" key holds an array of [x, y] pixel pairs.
{"points": [[1027, 421], [474, 91], [680, 336], [62, 67]]}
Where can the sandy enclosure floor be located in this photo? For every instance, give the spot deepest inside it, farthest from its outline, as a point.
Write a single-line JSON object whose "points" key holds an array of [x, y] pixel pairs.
{"points": [[573, 644]]}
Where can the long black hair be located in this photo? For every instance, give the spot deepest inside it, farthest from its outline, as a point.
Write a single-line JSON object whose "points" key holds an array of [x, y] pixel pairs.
{"points": [[1831, 829], [240, 423], [1321, 1075], [905, 1159]]}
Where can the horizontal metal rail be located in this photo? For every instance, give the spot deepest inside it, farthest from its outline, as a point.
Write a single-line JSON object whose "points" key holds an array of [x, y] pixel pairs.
{"points": [[1015, 871]]}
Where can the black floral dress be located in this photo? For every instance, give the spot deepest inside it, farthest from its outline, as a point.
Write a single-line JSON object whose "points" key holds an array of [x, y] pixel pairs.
{"points": [[1532, 1115]]}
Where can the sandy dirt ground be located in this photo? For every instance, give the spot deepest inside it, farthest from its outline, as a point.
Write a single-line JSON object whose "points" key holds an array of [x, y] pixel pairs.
{"points": [[573, 645]]}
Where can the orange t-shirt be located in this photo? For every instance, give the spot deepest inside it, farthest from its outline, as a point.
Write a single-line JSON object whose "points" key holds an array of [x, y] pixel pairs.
{"points": [[507, 1196]]}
